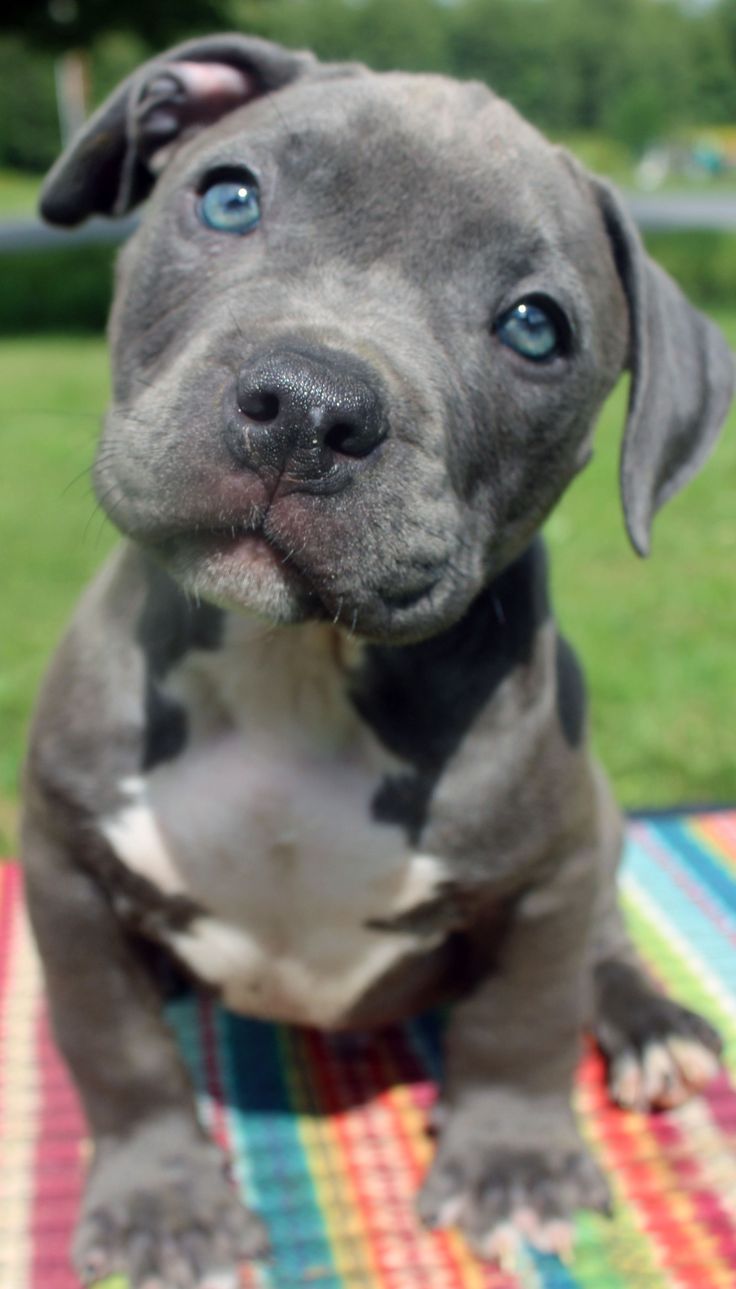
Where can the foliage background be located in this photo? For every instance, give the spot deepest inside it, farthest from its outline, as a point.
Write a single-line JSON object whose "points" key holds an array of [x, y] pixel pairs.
{"points": [[631, 70]]}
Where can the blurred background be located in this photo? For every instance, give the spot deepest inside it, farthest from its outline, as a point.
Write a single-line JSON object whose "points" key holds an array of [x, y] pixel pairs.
{"points": [[642, 90]]}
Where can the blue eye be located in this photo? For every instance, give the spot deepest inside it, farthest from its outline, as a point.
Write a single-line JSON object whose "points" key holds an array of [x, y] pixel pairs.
{"points": [[231, 205], [537, 330]]}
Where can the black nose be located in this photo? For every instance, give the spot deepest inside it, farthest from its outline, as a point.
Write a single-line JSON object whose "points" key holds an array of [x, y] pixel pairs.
{"points": [[307, 408]]}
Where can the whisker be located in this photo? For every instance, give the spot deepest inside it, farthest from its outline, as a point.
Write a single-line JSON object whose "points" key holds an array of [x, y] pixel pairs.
{"points": [[236, 324], [82, 474], [101, 501]]}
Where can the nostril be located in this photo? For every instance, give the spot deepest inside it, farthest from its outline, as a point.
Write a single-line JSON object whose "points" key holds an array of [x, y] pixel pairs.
{"points": [[355, 437], [349, 440], [259, 404]]}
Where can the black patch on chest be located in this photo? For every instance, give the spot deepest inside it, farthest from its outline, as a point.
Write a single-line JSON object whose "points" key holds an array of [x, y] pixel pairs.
{"points": [[170, 977], [402, 799], [421, 699], [446, 911], [166, 726], [170, 625], [571, 703]]}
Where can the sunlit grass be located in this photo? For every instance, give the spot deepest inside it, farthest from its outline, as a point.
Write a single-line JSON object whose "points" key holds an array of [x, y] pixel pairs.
{"points": [[18, 194]]}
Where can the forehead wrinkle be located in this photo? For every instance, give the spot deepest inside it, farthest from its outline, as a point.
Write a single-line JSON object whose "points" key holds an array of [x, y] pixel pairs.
{"points": [[271, 100]]}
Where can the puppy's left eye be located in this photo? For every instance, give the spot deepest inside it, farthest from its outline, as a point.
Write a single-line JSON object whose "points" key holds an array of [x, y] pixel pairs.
{"points": [[231, 204], [536, 328]]}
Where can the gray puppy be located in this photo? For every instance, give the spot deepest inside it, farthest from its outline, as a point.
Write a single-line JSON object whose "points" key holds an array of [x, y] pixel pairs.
{"points": [[313, 731]]}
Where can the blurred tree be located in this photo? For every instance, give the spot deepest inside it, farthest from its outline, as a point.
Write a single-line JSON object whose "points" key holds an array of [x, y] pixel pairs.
{"points": [[714, 53], [29, 137], [326, 26], [411, 35], [383, 33], [513, 46], [649, 83], [570, 64], [59, 25], [635, 70]]}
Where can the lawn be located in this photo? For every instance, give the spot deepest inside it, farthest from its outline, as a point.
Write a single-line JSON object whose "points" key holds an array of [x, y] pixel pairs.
{"points": [[657, 637], [18, 194]]}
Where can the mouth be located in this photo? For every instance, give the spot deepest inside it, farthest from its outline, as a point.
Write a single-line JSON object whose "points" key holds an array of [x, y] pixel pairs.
{"points": [[243, 567], [402, 599], [247, 545], [256, 551]]}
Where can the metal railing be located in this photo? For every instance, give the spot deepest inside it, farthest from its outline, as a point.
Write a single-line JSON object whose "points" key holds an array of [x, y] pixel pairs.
{"points": [[655, 212]]}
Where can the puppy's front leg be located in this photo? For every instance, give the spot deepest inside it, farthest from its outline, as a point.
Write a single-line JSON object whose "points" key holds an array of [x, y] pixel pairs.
{"points": [[158, 1205], [510, 1161]]}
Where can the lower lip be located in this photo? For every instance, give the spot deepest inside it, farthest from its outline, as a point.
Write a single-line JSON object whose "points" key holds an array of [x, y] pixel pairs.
{"points": [[235, 542], [249, 549]]}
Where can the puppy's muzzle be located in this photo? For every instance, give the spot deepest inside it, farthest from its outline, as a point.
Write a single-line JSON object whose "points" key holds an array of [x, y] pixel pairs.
{"points": [[310, 413]]}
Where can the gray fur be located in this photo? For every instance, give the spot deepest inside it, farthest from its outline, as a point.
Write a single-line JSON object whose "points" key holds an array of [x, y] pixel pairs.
{"points": [[384, 520]]}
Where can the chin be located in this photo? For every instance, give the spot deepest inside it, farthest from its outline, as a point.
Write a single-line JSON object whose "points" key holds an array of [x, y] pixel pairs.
{"points": [[243, 573]]}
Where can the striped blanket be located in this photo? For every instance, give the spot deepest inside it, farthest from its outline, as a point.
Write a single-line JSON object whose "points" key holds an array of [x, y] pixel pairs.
{"points": [[329, 1133]]}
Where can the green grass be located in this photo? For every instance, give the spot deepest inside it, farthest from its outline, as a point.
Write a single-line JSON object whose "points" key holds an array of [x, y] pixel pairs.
{"points": [[52, 393], [657, 636], [18, 193]]}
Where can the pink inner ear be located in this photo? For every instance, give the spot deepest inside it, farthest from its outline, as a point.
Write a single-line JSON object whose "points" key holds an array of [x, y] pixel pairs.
{"points": [[218, 87], [206, 91]]}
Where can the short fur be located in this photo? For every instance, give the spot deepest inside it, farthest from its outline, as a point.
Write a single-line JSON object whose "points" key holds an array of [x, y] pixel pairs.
{"points": [[313, 731]]}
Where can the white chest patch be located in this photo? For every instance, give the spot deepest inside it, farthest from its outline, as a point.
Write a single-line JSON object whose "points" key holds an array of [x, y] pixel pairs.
{"points": [[265, 821]]}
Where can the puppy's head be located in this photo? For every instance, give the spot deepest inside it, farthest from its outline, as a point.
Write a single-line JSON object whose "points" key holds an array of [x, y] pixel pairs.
{"points": [[362, 334]]}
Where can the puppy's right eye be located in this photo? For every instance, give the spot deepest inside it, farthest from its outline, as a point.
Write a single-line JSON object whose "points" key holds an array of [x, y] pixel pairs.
{"points": [[231, 204]]}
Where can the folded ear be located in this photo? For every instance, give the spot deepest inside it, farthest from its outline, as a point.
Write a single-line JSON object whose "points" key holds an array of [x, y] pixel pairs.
{"points": [[107, 169], [682, 379]]}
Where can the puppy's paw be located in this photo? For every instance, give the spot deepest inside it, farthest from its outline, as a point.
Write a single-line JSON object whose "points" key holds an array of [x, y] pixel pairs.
{"points": [[663, 1073], [658, 1053], [501, 1196], [168, 1222]]}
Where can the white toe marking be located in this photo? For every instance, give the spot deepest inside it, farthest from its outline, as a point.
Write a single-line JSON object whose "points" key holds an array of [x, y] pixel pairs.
{"points": [[697, 1064], [627, 1085], [661, 1077], [556, 1237], [451, 1211], [528, 1222], [504, 1246], [667, 1073], [220, 1280]]}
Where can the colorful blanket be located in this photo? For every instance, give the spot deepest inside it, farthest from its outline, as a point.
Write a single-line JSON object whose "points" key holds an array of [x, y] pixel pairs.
{"points": [[329, 1134]]}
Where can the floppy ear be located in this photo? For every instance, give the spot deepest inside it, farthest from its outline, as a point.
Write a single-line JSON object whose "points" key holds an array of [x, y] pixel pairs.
{"points": [[107, 168], [682, 379]]}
